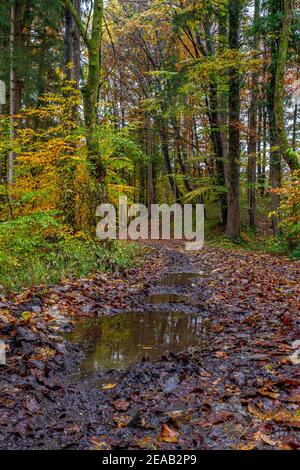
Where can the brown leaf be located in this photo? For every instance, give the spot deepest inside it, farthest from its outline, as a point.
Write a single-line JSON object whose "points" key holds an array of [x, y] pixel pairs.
{"points": [[121, 405], [168, 434], [264, 438], [145, 443], [293, 398], [248, 446], [281, 416], [72, 429], [268, 393], [221, 417], [99, 444], [221, 354], [122, 420]]}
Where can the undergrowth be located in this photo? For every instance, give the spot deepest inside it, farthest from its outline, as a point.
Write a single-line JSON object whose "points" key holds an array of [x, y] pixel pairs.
{"points": [[37, 250]]}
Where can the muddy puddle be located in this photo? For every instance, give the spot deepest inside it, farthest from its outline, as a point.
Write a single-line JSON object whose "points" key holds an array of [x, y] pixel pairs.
{"points": [[122, 340], [116, 342], [180, 278], [158, 298]]}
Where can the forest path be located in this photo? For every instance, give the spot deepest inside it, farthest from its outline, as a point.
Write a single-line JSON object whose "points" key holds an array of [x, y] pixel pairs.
{"points": [[236, 387]]}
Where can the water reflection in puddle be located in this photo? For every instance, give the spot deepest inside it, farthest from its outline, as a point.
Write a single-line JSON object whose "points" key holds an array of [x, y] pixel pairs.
{"points": [[180, 278], [165, 298], [119, 341]]}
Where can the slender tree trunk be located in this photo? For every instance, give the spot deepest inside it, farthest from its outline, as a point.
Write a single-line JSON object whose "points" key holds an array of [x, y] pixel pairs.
{"points": [[233, 218], [295, 123], [253, 136], [90, 90], [259, 146], [286, 151], [164, 138], [149, 153], [150, 191], [16, 10], [76, 53], [181, 157], [216, 121], [275, 152], [218, 145], [264, 152], [68, 44], [72, 45]]}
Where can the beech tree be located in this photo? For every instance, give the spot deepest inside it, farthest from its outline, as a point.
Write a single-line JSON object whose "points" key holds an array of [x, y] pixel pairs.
{"points": [[180, 102], [16, 24], [91, 35], [253, 124], [233, 219], [285, 148]]}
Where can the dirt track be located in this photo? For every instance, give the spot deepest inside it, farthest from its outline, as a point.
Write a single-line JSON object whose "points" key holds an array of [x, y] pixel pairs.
{"points": [[239, 389]]}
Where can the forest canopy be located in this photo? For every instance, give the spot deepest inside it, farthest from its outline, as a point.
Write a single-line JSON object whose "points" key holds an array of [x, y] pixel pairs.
{"points": [[162, 101]]}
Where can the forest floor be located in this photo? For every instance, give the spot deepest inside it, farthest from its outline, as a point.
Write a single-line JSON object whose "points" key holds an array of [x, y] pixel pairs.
{"points": [[238, 388]]}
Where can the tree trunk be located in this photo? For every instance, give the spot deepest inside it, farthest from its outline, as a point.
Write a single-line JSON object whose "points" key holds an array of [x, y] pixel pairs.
{"points": [[15, 81], [76, 47], [264, 152], [149, 154], [219, 150], [216, 121], [72, 45], [253, 137], [286, 151], [233, 218], [164, 138], [295, 122], [68, 44], [91, 89], [275, 153], [181, 157]]}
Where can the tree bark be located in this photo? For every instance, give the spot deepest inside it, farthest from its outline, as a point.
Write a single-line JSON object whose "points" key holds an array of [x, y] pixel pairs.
{"points": [[286, 151], [91, 88], [68, 44], [76, 47], [219, 150], [253, 136], [164, 138], [181, 157], [216, 122], [233, 218], [16, 10], [273, 108], [295, 121]]}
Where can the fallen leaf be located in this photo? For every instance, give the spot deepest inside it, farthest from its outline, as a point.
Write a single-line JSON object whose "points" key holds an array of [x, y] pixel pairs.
{"points": [[28, 315], [99, 444], [72, 429], [248, 446], [221, 354], [122, 420], [109, 386], [168, 434], [121, 405], [259, 436], [221, 417], [268, 393], [146, 443], [281, 416]]}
